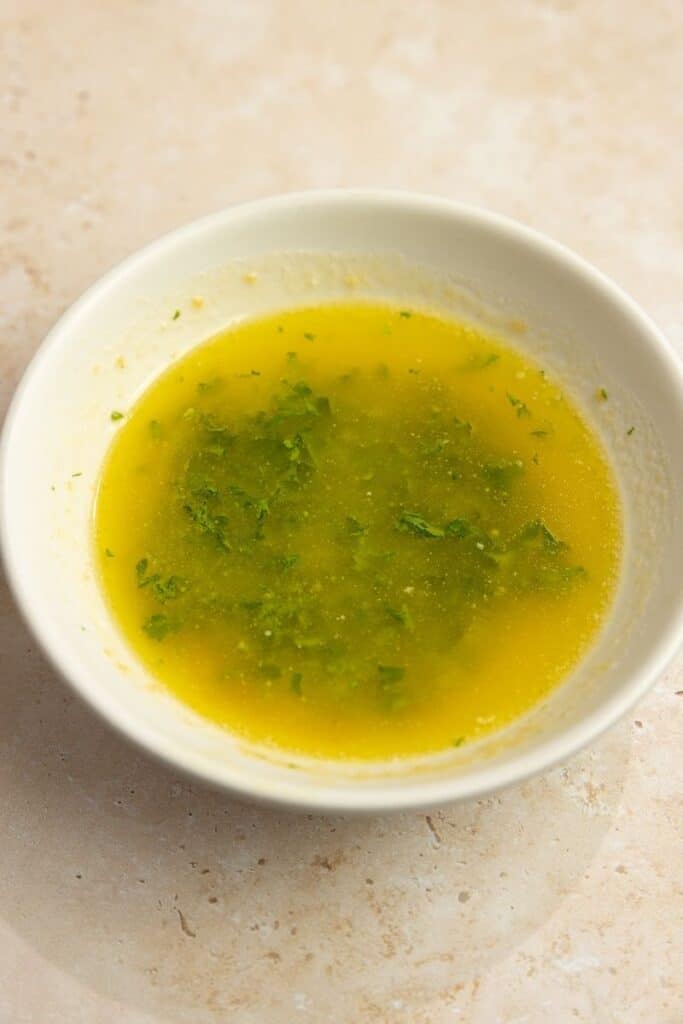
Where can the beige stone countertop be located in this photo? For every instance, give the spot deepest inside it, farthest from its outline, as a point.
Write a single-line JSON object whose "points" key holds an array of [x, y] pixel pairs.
{"points": [[128, 894]]}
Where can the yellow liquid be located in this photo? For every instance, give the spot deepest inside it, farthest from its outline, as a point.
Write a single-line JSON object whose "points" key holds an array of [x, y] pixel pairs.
{"points": [[353, 531]]}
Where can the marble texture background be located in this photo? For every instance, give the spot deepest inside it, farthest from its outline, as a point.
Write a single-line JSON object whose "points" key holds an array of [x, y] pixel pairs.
{"points": [[127, 894]]}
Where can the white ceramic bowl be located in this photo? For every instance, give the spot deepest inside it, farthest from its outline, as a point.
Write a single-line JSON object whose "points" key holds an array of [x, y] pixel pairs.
{"points": [[304, 249]]}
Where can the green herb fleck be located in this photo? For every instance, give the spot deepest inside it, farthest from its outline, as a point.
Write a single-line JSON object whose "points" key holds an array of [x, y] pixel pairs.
{"points": [[141, 572], [630, 431], [260, 506], [209, 385], [170, 589], [391, 673], [502, 473], [116, 415], [109, 553], [436, 447], [157, 626], [77, 474], [602, 394], [458, 742], [518, 405], [155, 429], [295, 683], [354, 527], [286, 562], [308, 336], [458, 528], [537, 530], [413, 522], [390, 693], [214, 526], [480, 360], [405, 313], [176, 315], [402, 616]]}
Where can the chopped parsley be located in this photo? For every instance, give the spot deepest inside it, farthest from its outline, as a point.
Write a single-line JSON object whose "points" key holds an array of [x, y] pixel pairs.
{"points": [[503, 472], [413, 522], [480, 361], [157, 626], [212, 526], [340, 553], [354, 527], [401, 616], [518, 405]]}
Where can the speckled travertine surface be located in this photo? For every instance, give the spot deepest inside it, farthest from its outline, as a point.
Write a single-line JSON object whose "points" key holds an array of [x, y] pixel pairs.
{"points": [[127, 894]]}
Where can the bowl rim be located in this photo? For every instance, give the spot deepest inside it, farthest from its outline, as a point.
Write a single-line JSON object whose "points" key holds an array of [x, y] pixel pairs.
{"points": [[374, 795]]}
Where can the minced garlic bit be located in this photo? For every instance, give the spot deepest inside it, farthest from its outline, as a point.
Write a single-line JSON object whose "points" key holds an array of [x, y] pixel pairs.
{"points": [[251, 277], [197, 301], [120, 362]]}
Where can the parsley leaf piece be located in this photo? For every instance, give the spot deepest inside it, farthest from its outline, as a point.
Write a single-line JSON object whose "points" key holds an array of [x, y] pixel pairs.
{"points": [[458, 528], [211, 525], [354, 527], [520, 407], [401, 616], [480, 361], [286, 562], [141, 573], [169, 589], [413, 522], [158, 626], [502, 473]]}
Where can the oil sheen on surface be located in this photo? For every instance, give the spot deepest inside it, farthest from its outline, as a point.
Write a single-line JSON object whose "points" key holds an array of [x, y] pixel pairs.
{"points": [[354, 531]]}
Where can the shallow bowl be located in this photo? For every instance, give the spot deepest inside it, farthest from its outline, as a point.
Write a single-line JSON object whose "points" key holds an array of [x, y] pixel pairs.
{"points": [[303, 250]]}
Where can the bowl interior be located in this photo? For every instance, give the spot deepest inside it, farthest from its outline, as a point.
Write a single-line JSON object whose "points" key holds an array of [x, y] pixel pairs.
{"points": [[303, 251]]}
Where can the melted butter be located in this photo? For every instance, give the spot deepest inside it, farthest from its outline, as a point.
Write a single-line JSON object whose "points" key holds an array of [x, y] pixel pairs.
{"points": [[357, 532]]}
